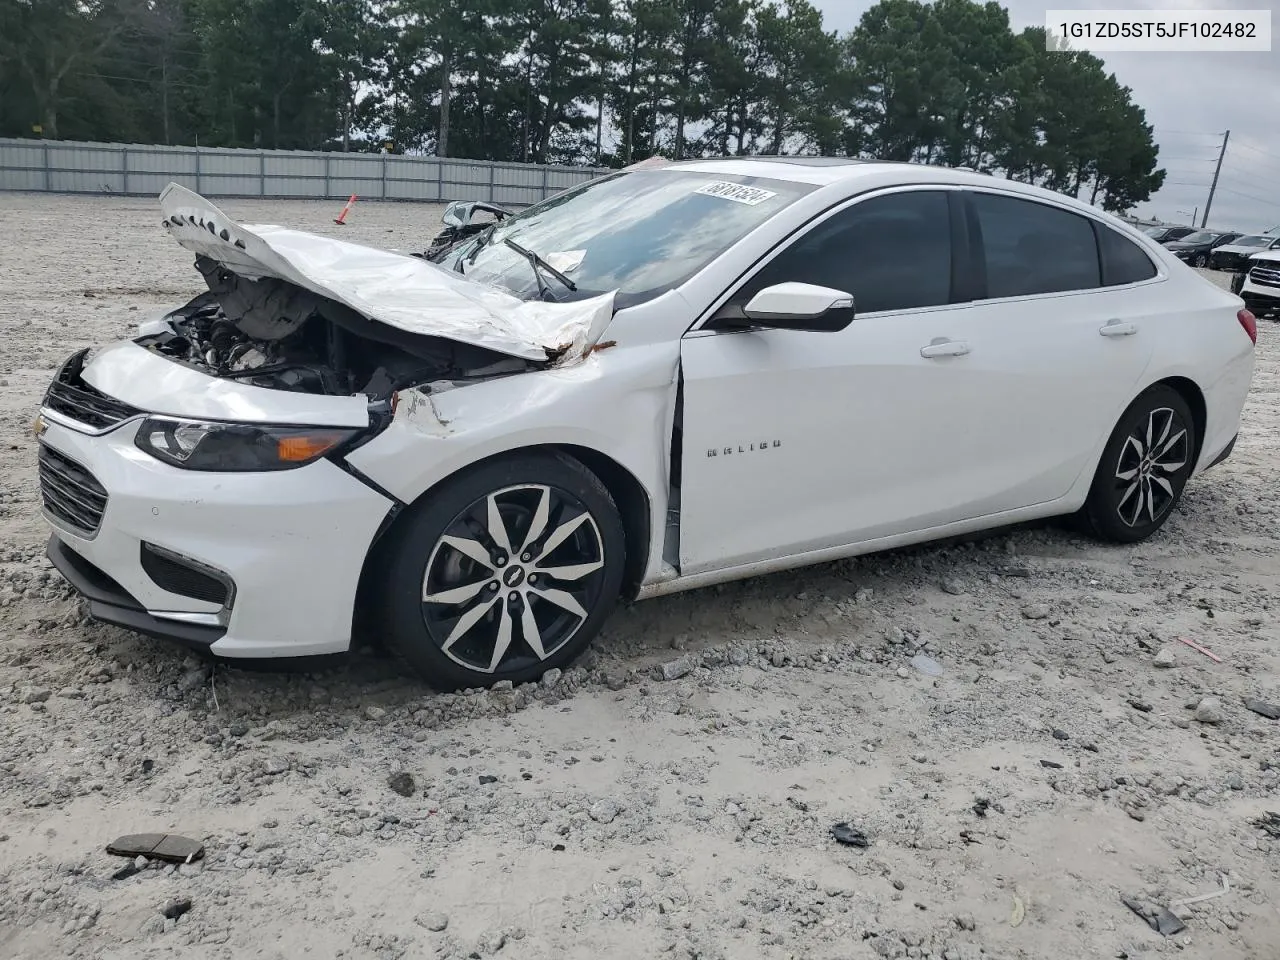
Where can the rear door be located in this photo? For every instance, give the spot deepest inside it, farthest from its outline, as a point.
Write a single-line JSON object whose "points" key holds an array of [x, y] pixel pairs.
{"points": [[1060, 336]]}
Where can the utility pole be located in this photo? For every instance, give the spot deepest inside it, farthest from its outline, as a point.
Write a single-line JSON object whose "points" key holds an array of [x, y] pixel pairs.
{"points": [[1214, 186]]}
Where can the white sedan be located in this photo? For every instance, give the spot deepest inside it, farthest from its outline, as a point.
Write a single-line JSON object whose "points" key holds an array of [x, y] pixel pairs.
{"points": [[662, 379]]}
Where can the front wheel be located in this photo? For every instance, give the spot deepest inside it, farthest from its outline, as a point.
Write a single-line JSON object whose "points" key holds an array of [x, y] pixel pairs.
{"points": [[504, 572], [1202, 260], [1143, 469]]}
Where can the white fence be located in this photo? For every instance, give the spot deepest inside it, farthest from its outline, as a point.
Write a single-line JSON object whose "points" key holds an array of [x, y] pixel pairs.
{"points": [[59, 166]]}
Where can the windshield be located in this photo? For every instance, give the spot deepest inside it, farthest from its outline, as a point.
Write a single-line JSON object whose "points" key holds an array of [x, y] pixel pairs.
{"points": [[1201, 236], [1154, 231], [639, 233], [1252, 241]]}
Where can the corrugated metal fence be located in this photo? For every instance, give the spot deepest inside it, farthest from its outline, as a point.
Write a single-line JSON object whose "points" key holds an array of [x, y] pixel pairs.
{"points": [[62, 166]]}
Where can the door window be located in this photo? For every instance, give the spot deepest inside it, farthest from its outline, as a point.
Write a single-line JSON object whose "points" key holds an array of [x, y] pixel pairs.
{"points": [[891, 252], [1034, 248]]}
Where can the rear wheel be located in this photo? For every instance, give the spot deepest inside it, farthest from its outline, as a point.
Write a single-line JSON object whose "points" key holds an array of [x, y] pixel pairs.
{"points": [[1143, 469], [504, 572]]}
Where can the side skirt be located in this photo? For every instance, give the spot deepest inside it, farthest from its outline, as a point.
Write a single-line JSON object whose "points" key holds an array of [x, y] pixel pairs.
{"points": [[758, 568]]}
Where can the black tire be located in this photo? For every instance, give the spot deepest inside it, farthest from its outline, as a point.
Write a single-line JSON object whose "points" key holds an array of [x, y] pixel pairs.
{"points": [[452, 642], [1126, 472], [1202, 260]]}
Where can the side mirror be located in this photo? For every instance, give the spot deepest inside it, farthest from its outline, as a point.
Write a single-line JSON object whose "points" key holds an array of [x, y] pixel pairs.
{"points": [[461, 213], [455, 214], [800, 306]]}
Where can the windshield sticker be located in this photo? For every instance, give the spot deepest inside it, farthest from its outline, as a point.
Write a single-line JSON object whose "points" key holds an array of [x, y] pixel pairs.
{"points": [[735, 192], [566, 261]]}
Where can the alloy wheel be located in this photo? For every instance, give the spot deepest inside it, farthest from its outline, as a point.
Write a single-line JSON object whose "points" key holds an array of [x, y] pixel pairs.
{"points": [[513, 578], [1150, 461]]}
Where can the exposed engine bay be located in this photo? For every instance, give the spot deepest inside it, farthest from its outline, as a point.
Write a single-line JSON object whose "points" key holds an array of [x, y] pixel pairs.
{"points": [[272, 333]]}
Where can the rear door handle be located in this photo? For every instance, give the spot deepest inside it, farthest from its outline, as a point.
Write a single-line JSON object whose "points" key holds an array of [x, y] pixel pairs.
{"points": [[942, 347], [1118, 328]]}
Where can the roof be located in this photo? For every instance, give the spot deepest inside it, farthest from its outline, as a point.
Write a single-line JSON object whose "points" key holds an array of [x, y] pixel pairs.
{"points": [[802, 161], [819, 171], [822, 171], [843, 174]]}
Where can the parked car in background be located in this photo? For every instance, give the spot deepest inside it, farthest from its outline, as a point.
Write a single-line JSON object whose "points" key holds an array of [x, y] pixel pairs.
{"points": [[1259, 284], [1195, 248], [1232, 256], [658, 380], [1165, 234]]}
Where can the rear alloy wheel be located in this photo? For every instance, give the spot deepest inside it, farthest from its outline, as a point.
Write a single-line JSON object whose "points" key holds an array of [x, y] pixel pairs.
{"points": [[1144, 468], [505, 572]]}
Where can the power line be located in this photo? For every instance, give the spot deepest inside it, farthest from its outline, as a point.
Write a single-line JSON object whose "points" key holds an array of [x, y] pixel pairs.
{"points": [[1250, 196], [1244, 180], [148, 81], [1247, 146], [1262, 166]]}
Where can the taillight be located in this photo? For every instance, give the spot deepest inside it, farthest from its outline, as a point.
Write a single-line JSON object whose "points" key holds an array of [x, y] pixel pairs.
{"points": [[1250, 324]]}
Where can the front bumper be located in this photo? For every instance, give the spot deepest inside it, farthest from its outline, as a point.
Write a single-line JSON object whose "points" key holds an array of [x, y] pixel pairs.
{"points": [[1261, 298], [111, 603], [292, 542]]}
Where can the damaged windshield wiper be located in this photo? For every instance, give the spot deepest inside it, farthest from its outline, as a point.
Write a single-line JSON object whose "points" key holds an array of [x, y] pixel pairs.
{"points": [[482, 238], [536, 261]]}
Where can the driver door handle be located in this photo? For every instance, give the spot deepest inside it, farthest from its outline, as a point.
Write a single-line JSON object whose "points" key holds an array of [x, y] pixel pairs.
{"points": [[943, 347], [1118, 328]]}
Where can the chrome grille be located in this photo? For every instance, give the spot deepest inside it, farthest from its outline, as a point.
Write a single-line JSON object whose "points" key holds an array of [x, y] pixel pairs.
{"points": [[1267, 276], [72, 397], [71, 494]]}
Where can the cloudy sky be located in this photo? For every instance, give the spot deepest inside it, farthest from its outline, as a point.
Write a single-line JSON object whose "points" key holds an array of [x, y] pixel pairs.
{"points": [[1191, 99]]}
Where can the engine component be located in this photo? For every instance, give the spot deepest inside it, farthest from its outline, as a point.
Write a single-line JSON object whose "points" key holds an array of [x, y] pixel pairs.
{"points": [[271, 333]]}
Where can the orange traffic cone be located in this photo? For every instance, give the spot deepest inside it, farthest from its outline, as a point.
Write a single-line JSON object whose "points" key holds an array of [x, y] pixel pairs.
{"points": [[342, 217]]}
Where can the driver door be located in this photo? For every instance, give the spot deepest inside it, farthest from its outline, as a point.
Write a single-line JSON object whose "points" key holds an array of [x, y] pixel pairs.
{"points": [[793, 440]]}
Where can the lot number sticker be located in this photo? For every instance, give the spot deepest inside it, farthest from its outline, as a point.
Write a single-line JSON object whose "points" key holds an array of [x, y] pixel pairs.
{"points": [[735, 192]]}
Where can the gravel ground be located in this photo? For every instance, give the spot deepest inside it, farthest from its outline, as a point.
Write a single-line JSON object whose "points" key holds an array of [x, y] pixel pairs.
{"points": [[1070, 752]]}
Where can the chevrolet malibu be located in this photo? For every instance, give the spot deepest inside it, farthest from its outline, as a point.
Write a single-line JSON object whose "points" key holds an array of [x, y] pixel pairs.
{"points": [[665, 378]]}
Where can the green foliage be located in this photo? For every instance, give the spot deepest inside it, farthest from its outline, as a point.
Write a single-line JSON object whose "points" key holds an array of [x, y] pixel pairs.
{"points": [[578, 81]]}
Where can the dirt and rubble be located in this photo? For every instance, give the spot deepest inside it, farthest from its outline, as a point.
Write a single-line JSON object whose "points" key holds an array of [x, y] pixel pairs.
{"points": [[1014, 726]]}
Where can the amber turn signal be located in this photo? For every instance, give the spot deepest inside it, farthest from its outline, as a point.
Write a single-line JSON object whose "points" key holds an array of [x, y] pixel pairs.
{"points": [[303, 447]]}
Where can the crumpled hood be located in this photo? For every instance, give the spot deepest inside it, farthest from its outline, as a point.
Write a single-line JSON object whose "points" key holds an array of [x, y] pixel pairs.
{"points": [[396, 289]]}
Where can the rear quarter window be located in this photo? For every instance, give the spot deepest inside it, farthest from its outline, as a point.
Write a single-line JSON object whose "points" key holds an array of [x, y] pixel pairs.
{"points": [[1123, 261]]}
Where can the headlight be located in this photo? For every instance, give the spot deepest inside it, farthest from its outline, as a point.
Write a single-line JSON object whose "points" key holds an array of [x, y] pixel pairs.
{"points": [[237, 447]]}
